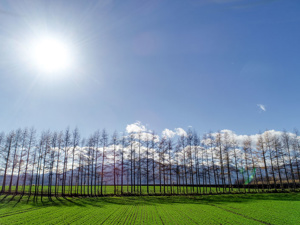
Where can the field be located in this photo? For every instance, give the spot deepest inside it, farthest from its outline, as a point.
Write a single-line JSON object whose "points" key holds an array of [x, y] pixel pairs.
{"points": [[280, 208]]}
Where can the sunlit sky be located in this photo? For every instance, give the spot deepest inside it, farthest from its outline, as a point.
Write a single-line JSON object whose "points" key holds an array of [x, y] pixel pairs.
{"points": [[209, 64]]}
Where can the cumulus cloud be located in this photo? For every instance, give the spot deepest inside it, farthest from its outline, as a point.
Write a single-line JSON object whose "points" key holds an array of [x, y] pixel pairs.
{"points": [[172, 133], [141, 132], [135, 127], [168, 133], [262, 107], [240, 138], [138, 127], [180, 132]]}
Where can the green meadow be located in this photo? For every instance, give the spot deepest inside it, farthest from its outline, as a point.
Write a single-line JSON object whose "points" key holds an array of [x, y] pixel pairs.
{"points": [[262, 208]]}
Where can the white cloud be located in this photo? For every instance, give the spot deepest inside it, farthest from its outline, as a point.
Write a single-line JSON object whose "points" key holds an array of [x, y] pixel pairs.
{"points": [[138, 127], [262, 107], [180, 132], [135, 127], [168, 133], [172, 133], [140, 131]]}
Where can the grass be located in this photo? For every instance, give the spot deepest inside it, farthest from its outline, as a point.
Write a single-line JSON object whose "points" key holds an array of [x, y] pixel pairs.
{"points": [[279, 208]]}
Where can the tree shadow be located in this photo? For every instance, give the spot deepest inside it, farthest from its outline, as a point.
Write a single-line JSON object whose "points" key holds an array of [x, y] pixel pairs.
{"points": [[100, 202], [9, 199], [73, 202], [4, 198], [18, 201], [204, 199]]}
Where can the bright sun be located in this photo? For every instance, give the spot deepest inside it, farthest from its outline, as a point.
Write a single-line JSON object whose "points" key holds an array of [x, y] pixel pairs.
{"points": [[51, 55]]}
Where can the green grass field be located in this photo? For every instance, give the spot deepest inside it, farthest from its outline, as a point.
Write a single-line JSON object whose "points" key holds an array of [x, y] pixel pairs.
{"points": [[280, 208]]}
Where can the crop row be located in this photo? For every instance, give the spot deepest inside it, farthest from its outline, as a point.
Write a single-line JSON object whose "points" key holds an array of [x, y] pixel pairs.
{"points": [[242, 209]]}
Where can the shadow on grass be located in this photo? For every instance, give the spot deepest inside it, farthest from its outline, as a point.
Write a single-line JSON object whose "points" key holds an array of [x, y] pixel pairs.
{"points": [[4, 197], [14, 201], [216, 199]]}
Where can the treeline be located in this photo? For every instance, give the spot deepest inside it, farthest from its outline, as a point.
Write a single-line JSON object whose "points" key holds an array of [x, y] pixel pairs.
{"points": [[64, 163]]}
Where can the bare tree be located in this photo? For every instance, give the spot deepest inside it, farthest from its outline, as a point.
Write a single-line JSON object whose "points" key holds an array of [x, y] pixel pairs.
{"points": [[296, 148], [104, 141], [45, 152], [183, 148], [169, 149], [115, 142], [97, 140], [15, 159], [123, 143], [7, 150], [189, 140], [75, 142], [236, 158], [153, 149], [247, 149], [260, 145], [268, 141], [67, 142], [22, 153], [277, 146], [147, 143], [196, 143], [252, 160], [287, 146], [218, 141], [140, 162], [54, 140], [227, 148], [59, 147]]}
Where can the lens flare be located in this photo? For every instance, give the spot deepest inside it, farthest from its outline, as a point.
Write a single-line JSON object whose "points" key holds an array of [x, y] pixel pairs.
{"points": [[248, 178]]}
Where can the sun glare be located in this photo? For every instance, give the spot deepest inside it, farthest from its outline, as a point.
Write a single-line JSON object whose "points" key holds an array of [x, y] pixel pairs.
{"points": [[51, 55]]}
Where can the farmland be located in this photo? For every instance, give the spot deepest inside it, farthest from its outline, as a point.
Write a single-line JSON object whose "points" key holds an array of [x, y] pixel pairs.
{"points": [[280, 208]]}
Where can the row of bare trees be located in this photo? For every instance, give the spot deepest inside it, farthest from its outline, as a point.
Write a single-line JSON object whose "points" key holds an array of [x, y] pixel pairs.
{"points": [[64, 163]]}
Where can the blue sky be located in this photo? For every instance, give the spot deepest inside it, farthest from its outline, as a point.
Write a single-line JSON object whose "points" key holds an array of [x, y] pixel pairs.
{"points": [[211, 65]]}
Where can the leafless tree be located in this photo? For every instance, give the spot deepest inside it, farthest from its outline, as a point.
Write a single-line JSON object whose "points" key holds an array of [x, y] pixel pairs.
{"points": [[104, 141], [6, 152], [287, 146], [260, 145]]}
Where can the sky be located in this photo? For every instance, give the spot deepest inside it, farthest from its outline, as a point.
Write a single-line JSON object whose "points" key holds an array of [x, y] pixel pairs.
{"points": [[206, 64]]}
